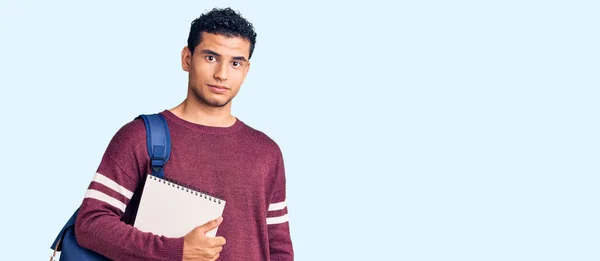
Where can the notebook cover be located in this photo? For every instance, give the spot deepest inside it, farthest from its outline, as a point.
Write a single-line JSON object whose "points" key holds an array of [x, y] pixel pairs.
{"points": [[173, 210]]}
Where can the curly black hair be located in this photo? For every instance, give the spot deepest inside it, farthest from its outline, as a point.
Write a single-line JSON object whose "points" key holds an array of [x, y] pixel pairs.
{"points": [[224, 21]]}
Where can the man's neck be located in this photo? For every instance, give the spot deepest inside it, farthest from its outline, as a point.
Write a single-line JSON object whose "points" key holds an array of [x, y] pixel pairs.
{"points": [[204, 115]]}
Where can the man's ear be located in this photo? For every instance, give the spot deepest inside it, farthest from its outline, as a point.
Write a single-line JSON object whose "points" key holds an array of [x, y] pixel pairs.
{"points": [[186, 59]]}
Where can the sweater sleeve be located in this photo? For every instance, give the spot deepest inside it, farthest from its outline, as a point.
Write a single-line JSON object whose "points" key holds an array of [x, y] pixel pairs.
{"points": [[99, 225], [280, 243]]}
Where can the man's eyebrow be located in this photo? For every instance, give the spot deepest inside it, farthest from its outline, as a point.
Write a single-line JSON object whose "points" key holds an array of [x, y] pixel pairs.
{"points": [[206, 51], [237, 58]]}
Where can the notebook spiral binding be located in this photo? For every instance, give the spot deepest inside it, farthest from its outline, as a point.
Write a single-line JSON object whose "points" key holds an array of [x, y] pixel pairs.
{"points": [[186, 189]]}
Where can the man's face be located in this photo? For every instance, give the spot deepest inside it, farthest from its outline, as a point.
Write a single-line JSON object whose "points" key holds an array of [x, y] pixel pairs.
{"points": [[217, 68]]}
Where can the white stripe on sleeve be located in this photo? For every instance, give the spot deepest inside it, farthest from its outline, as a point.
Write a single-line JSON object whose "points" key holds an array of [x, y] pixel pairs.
{"points": [[95, 194], [277, 220], [112, 185], [277, 206]]}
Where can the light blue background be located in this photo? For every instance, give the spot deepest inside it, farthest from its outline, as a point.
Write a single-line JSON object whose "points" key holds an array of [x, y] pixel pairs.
{"points": [[420, 130]]}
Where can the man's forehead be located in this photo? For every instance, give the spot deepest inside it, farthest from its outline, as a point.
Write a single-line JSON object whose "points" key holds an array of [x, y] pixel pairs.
{"points": [[225, 45]]}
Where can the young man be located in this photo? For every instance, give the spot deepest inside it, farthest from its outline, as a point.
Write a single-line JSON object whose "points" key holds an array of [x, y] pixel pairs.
{"points": [[211, 150]]}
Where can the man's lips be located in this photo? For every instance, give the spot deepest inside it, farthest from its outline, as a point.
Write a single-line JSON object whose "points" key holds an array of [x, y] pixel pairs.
{"points": [[218, 88]]}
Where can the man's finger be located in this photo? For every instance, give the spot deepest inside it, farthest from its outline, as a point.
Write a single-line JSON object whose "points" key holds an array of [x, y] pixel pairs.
{"points": [[214, 251], [210, 225], [217, 241], [215, 257]]}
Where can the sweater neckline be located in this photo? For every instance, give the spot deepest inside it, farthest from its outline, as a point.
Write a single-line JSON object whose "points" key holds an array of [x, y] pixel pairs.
{"points": [[237, 125]]}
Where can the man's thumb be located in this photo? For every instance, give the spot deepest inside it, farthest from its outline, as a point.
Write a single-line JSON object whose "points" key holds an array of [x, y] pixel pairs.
{"points": [[210, 225]]}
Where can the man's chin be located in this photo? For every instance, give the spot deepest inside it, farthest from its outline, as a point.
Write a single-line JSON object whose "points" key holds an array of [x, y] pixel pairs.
{"points": [[214, 102], [217, 104]]}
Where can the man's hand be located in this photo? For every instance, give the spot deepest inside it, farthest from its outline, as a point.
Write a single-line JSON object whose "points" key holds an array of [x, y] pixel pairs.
{"points": [[199, 247]]}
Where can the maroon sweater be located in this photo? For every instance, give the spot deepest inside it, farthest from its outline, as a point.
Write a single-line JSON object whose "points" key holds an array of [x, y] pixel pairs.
{"points": [[239, 164]]}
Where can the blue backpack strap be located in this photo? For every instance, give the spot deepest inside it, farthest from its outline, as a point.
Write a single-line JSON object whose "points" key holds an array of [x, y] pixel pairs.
{"points": [[158, 140]]}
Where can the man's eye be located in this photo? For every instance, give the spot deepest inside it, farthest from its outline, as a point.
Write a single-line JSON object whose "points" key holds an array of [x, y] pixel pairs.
{"points": [[210, 58], [236, 64]]}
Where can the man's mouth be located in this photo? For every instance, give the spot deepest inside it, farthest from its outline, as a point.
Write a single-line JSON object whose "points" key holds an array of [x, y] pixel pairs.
{"points": [[218, 88]]}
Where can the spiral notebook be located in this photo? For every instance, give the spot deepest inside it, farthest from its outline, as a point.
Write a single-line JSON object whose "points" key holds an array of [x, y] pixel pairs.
{"points": [[172, 210]]}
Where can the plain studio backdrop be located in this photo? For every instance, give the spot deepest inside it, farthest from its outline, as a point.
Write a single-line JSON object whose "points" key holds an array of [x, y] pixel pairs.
{"points": [[412, 130]]}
